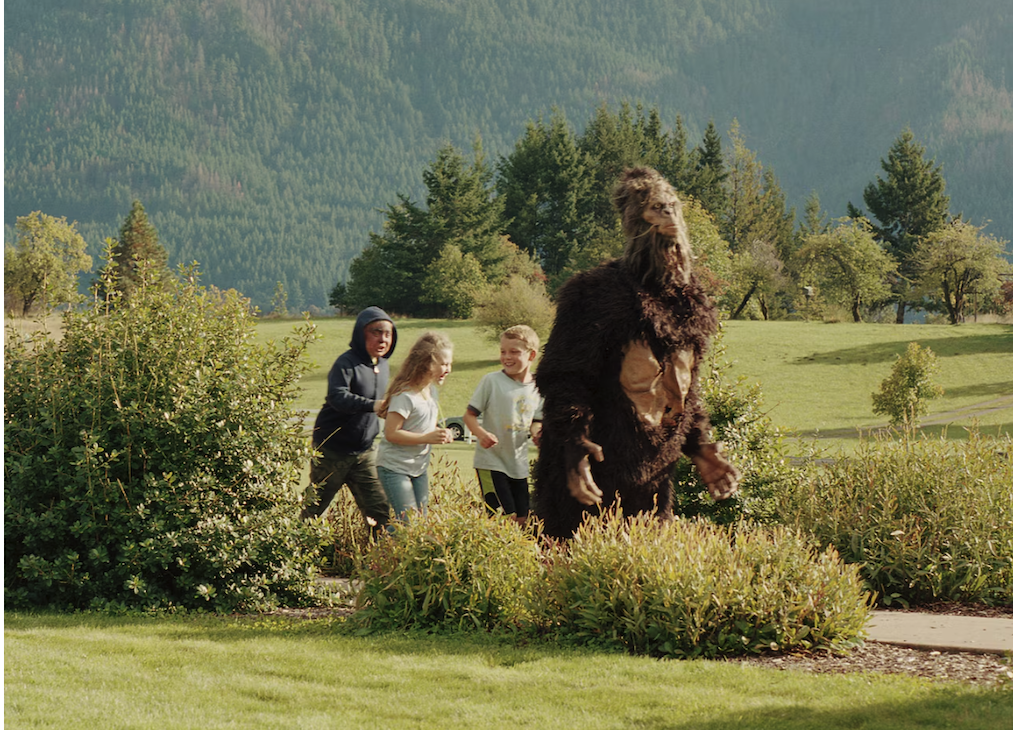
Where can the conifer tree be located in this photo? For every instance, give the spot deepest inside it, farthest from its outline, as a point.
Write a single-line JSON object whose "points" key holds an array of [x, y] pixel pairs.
{"points": [[814, 219], [708, 185], [741, 218], [461, 211], [909, 204], [614, 142], [757, 226], [547, 189], [138, 242], [677, 164]]}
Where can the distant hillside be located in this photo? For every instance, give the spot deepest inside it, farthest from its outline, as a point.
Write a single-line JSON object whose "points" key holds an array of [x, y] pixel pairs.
{"points": [[263, 136]]}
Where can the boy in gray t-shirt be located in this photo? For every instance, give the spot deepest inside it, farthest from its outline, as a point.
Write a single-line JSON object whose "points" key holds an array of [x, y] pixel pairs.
{"points": [[509, 406]]}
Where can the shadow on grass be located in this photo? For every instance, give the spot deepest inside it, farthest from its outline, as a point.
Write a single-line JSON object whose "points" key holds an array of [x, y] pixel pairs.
{"points": [[960, 433], [408, 323], [984, 390], [850, 438], [997, 343], [948, 706]]}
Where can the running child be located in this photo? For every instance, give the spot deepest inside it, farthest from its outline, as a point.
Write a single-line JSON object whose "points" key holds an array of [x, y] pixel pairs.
{"points": [[411, 411], [509, 407]]}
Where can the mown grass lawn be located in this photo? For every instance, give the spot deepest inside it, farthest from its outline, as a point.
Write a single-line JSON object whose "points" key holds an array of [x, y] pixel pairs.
{"points": [[815, 377], [93, 671]]}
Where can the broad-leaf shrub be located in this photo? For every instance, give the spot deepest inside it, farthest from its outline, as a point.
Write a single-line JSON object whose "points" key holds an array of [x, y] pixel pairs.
{"points": [[926, 519], [151, 459], [688, 588]]}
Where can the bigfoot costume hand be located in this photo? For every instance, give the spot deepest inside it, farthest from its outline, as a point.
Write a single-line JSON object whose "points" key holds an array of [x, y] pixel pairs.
{"points": [[620, 372], [580, 482], [721, 478]]}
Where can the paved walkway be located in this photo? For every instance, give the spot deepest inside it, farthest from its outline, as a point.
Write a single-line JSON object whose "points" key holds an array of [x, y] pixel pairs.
{"points": [[941, 632]]}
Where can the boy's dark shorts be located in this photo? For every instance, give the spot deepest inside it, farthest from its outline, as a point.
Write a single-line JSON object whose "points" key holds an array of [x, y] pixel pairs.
{"points": [[501, 491]]}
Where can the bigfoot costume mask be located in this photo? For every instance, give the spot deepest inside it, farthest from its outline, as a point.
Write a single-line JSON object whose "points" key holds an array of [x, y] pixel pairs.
{"points": [[620, 372]]}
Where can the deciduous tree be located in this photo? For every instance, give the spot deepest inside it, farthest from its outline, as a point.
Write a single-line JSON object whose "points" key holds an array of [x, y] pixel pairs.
{"points": [[759, 273], [847, 265], [453, 282], [42, 266], [903, 396], [957, 262]]}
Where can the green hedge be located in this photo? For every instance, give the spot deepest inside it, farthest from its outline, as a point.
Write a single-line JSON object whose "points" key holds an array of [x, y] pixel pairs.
{"points": [[688, 588], [926, 519], [679, 589]]}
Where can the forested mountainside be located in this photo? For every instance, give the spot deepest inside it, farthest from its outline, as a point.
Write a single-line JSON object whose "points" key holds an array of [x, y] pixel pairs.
{"points": [[264, 137]]}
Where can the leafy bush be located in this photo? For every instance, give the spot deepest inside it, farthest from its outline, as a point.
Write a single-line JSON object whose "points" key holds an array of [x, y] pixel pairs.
{"points": [[681, 588], [903, 395], [453, 568], [516, 301], [151, 459], [927, 520], [687, 588], [752, 443]]}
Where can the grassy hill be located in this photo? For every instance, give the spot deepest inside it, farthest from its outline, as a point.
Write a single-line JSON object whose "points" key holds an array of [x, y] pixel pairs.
{"points": [[263, 136], [814, 376]]}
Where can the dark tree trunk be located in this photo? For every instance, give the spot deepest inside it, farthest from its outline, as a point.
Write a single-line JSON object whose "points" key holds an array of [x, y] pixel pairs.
{"points": [[745, 301]]}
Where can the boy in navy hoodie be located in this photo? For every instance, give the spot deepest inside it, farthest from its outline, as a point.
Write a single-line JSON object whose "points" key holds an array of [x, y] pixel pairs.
{"points": [[347, 423]]}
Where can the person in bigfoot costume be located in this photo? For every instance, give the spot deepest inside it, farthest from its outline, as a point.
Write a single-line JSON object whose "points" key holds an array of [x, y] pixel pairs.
{"points": [[619, 373]]}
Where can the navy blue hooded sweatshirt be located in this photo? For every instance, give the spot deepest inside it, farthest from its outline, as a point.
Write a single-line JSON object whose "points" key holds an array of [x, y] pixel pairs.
{"points": [[347, 423]]}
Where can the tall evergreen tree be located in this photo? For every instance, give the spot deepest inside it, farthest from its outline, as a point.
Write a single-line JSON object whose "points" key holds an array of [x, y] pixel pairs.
{"points": [[909, 204], [708, 184], [814, 218], [615, 142], [677, 163], [137, 250], [461, 211], [547, 190], [742, 218]]}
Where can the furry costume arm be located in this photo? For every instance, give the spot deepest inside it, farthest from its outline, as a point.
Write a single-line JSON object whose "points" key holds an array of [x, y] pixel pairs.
{"points": [[579, 356]]}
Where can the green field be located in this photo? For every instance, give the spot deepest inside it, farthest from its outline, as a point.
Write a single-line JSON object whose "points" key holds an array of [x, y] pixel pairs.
{"points": [[96, 671], [814, 376]]}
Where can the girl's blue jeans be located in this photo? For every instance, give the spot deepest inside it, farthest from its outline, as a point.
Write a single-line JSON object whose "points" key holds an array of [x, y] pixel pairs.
{"points": [[404, 492]]}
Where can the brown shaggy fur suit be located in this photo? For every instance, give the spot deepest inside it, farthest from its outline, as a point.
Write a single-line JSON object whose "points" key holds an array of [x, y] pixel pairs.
{"points": [[599, 312]]}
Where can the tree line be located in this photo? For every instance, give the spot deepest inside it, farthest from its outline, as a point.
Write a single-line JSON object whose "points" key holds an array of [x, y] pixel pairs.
{"points": [[543, 212], [262, 135]]}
